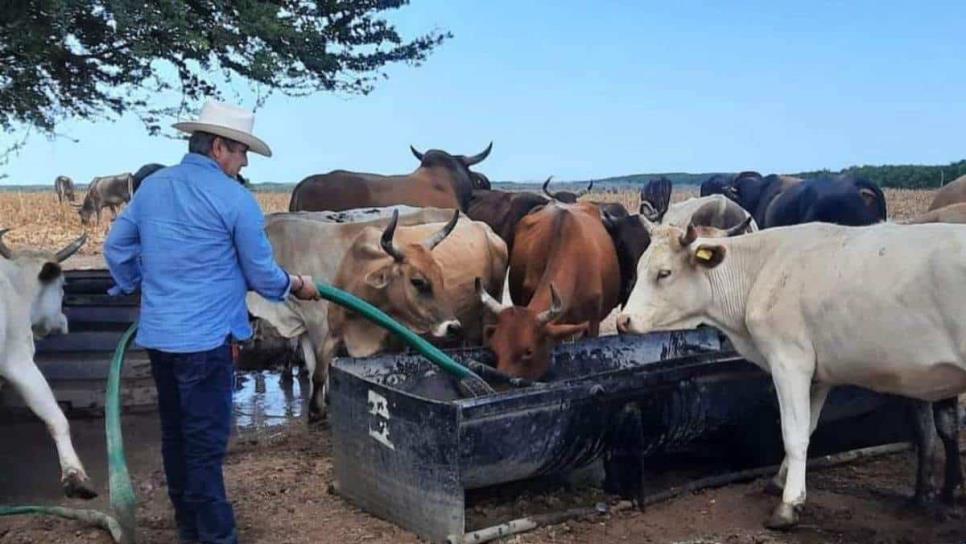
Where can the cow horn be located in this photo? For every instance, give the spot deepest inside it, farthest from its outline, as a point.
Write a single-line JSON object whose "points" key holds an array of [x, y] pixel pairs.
{"points": [[648, 225], [547, 191], [435, 239], [740, 228], [478, 158], [587, 190], [4, 250], [657, 195], [556, 308], [689, 236], [487, 299], [387, 244], [71, 248], [416, 153]]}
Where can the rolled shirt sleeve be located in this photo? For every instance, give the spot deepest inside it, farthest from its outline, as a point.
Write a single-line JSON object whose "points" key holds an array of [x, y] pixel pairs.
{"points": [[262, 273], [122, 250]]}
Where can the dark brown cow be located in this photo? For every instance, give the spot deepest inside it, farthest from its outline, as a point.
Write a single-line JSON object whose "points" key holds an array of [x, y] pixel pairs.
{"points": [[566, 197], [105, 191], [502, 210], [441, 181], [565, 277]]}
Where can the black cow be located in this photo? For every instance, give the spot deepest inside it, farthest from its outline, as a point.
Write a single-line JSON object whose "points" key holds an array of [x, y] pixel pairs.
{"points": [[715, 185], [566, 197]]}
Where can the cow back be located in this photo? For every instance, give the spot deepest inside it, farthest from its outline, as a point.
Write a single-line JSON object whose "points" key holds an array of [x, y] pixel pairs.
{"points": [[953, 192]]}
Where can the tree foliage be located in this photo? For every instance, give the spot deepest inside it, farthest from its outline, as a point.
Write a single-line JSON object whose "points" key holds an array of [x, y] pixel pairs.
{"points": [[903, 176], [90, 58]]}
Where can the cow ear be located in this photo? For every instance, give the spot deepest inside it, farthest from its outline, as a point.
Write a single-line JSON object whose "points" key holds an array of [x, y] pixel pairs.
{"points": [[708, 255], [562, 331], [49, 272], [378, 279], [488, 331]]}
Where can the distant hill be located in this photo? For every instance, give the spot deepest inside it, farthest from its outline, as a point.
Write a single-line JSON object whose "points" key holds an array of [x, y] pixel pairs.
{"points": [[909, 176]]}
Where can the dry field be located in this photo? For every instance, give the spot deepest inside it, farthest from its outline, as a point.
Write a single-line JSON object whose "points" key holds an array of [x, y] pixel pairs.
{"points": [[37, 220]]}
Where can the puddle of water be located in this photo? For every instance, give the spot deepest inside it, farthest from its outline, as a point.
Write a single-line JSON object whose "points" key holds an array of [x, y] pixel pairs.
{"points": [[263, 399]]}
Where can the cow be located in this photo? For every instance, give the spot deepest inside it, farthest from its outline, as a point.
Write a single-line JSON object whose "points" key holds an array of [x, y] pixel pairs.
{"points": [[715, 185], [566, 197], [819, 305], [953, 213], [564, 278], [953, 192], [316, 243], [64, 187], [442, 181], [142, 174], [782, 200], [32, 287], [105, 191], [502, 210]]}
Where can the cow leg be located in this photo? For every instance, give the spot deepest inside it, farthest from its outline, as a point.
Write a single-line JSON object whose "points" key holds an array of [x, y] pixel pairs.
{"points": [[925, 439], [817, 399], [26, 378], [947, 425], [792, 382]]}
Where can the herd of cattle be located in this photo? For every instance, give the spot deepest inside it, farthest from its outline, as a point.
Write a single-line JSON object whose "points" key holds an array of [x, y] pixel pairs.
{"points": [[805, 276]]}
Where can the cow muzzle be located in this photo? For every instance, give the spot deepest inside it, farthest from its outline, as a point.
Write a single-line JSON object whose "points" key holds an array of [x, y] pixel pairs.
{"points": [[50, 327], [448, 328], [627, 324]]}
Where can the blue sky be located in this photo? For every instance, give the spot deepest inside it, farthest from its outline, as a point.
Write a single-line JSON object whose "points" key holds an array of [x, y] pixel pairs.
{"points": [[594, 89]]}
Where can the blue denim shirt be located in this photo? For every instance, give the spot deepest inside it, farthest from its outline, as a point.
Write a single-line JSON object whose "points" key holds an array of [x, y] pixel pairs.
{"points": [[193, 240]]}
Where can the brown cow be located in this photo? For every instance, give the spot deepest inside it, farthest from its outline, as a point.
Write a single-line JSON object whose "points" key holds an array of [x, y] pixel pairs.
{"points": [[442, 181], [64, 187], [564, 275], [953, 192]]}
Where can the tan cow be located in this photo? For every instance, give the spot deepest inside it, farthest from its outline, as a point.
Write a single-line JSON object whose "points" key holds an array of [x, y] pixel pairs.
{"points": [[817, 305], [953, 192], [316, 243], [953, 213]]}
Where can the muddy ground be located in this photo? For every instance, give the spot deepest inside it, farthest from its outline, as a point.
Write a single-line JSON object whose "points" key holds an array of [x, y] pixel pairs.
{"points": [[279, 479]]}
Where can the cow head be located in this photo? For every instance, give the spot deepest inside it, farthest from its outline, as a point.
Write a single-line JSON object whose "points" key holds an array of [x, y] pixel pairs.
{"points": [[746, 189], [459, 165], [410, 286], [566, 197], [88, 208], [522, 339], [673, 289], [630, 240], [655, 199], [42, 280]]}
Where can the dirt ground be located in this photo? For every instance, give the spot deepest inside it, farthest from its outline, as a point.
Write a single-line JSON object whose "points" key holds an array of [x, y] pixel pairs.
{"points": [[279, 486]]}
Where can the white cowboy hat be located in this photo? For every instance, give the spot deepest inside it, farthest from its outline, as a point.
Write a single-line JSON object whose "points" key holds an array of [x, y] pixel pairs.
{"points": [[229, 122]]}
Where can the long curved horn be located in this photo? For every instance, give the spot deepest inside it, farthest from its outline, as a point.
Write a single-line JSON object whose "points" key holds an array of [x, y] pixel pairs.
{"points": [[739, 229], [689, 236], [587, 190], [416, 153], [387, 244], [478, 158], [487, 299], [556, 308], [71, 248], [441, 235], [547, 191], [4, 250]]}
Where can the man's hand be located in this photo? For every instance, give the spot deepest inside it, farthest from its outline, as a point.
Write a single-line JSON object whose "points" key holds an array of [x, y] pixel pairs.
{"points": [[303, 288]]}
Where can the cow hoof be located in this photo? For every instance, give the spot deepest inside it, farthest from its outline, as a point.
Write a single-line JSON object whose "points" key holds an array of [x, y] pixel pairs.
{"points": [[773, 488], [76, 487], [783, 518]]}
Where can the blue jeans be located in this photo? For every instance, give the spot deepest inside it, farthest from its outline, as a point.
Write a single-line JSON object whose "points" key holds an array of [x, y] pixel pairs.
{"points": [[194, 401]]}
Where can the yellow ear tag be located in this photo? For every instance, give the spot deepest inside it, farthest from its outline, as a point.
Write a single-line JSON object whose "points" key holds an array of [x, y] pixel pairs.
{"points": [[704, 254]]}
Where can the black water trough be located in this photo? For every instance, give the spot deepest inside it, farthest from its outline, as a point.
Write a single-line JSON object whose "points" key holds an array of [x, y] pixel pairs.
{"points": [[407, 446]]}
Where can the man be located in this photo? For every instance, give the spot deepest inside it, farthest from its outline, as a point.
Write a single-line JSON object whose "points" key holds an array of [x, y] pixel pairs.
{"points": [[193, 241]]}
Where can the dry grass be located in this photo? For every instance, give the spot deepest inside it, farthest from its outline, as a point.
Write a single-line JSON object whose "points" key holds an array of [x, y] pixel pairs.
{"points": [[37, 220]]}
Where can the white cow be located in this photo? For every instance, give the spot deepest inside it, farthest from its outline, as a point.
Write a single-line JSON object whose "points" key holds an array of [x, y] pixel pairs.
{"points": [[31, 293], [817, 305]]}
